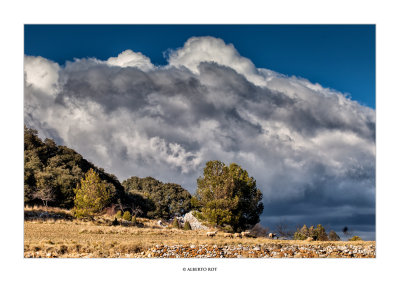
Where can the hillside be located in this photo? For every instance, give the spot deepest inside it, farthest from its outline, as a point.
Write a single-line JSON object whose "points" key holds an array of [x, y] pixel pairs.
{"points": [[51, 173]]}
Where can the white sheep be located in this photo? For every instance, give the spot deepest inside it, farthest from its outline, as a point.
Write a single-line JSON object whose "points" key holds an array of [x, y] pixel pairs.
{"points": [[245, 234], [309, 239], [272, 235], [211, 233]]}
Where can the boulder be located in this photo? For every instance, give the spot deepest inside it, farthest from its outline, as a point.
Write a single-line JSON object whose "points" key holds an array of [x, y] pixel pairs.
{"points": [[194, 222]]}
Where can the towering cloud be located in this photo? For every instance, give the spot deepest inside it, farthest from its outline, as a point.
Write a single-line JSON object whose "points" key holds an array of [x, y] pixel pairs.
{"points": [[311, 149]]}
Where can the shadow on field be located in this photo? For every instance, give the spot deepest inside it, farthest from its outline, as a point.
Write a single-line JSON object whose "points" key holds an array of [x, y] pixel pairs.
{"points": [[46, 214]]}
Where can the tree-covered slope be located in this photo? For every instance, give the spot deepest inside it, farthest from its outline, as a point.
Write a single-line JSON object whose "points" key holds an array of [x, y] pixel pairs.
{"points": [[168, 199], [51, 172]]}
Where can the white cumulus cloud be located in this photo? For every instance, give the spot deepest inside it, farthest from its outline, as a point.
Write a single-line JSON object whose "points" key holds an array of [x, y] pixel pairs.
{"points": [[128, 58]]}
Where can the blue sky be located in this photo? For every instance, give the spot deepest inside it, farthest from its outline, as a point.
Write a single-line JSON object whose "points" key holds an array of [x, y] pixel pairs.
{"points": [[341, 57]]}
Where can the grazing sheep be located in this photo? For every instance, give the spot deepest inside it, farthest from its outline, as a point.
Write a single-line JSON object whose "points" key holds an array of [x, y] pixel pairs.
{"points": [[161, 224], [272, 235], [309, 239], [245, 234], [211, 234], [228, 235], [237, 235]]}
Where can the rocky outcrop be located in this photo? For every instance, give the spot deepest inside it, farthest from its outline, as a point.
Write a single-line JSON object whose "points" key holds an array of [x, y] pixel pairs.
{"points": [[195, 224]]}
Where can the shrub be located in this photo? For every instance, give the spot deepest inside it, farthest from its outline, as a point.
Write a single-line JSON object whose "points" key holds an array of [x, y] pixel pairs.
{"points": [[283, 230], [228, 228], [115, 221], [301, 234], [355, 238], [313, 233], [127, 216], [259, 231], [175, 223], [321, 234], [134, 219], [187, 226], [333, 236], [118, 214], [318, 233], [298, 236]]}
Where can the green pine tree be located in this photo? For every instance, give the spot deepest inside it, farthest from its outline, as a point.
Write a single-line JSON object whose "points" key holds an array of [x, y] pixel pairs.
{"points": [[227, 195], [91, 196]]}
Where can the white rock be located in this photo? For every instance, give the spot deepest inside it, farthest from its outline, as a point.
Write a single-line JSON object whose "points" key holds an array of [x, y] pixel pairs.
{"points": [[194, 222]]}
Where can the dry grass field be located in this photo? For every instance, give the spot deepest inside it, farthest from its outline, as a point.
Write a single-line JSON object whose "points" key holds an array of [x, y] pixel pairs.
{"points": [[59, 235]]}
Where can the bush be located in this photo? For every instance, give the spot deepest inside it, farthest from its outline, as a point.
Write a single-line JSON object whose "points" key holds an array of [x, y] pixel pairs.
{"points": [[313, 233], [318, 233], [115, 221], [355, 238], [333, 236], [298, 236], [301, 234], [259, 231], [118, 214], [321, 234], [134, 219], [127, 216], [187, 226], [228, 228], [175, 223]]}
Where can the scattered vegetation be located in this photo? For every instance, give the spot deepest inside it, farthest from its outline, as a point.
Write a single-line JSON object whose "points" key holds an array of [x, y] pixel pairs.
{"points": [[88, 238], [355, 238], [226, 197]]}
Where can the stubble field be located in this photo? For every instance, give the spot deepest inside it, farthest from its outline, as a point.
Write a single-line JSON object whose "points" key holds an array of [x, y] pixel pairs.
{"points": [[63, 236]]}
